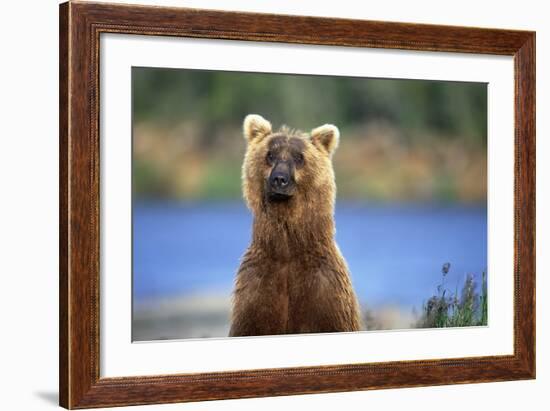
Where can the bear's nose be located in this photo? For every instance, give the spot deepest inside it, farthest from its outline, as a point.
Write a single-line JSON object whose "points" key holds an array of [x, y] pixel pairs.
{"points": [[279, 180]]}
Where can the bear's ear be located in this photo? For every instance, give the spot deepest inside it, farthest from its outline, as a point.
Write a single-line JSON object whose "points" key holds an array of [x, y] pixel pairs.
{"points": [[255, 127], [326, 137]]}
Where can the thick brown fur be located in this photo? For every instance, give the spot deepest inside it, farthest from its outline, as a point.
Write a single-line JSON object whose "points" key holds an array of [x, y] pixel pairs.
{"points": [[293, 278]]}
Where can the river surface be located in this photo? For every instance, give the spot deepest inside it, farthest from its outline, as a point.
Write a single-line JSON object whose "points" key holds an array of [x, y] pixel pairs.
{"points": [[394, 252]]}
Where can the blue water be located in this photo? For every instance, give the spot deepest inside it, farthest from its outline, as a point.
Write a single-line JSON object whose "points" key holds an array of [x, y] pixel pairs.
{"points": [[394, 253]]}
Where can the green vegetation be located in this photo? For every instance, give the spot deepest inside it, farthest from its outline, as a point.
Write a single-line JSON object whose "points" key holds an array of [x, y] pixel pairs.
{"points": [[446, 309], [222, 99], [402, 140]]}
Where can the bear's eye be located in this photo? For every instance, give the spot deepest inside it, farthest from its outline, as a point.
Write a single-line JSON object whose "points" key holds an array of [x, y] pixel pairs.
{"points": [[299, 159], [270, 157]]}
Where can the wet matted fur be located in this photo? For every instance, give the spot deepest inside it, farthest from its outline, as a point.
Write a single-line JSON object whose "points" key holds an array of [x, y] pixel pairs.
{"points": [[292, 278]]}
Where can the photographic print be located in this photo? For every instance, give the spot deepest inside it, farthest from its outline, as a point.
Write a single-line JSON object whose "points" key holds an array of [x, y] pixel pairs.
{"points": [[269, 204]]}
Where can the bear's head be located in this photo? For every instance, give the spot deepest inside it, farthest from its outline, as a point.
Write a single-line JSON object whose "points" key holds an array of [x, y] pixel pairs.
{"points": [[288, 172]]}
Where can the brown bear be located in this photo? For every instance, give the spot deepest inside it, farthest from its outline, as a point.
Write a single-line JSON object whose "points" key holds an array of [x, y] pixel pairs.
{"points": [[292, 279]]}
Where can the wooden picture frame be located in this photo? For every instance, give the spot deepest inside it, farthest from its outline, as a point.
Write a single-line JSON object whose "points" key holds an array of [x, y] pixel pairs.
{"points": [[80, 27]]}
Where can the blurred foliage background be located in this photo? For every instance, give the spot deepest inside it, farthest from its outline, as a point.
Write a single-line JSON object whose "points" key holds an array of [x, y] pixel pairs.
{"points": [[402, 140]]}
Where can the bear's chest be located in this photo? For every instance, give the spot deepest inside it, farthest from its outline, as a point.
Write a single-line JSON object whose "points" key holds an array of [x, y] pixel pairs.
{"points": [[298, 283]]}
